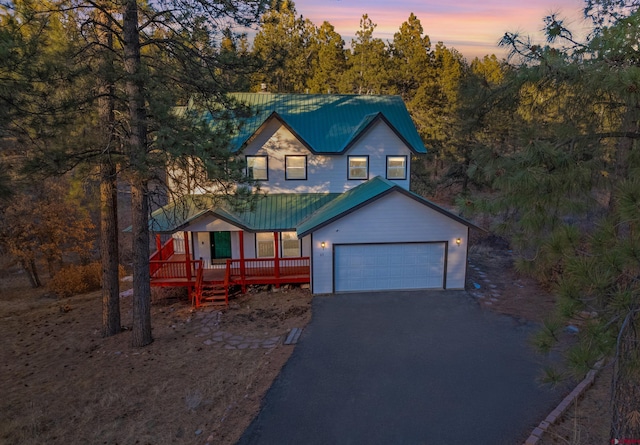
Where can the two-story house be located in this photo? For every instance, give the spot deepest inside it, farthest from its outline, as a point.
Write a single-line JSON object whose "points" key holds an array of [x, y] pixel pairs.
{"points": [[336, 169]]}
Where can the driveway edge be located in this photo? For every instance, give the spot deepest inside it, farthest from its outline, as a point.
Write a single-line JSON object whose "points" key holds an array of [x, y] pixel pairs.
{"points": [[561, 409]]}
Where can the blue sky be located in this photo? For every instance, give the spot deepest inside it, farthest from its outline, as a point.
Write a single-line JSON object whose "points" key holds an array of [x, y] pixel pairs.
{"points": [[473, 27]]}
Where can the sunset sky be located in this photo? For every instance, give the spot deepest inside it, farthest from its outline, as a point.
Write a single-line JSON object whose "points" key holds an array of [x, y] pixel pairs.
{"points": [[472, 27]]}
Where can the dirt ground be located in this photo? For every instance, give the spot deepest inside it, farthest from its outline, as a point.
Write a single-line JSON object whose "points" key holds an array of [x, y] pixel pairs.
{"points": [[202, 379]]}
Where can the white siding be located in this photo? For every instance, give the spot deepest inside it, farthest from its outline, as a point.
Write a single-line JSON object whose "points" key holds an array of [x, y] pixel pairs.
{"points": [[325, 173], [394, 218], [306, 246], [211, 224]]}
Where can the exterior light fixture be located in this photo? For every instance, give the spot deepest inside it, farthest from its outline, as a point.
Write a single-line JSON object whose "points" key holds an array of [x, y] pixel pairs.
{"points": [[323, 244], [458, 241]]}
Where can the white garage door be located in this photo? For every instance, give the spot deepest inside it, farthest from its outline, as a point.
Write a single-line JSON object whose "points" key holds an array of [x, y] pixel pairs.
{"points": [[363, 267]]}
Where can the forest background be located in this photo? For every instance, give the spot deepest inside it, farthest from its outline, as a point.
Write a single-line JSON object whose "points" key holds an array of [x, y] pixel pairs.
{"points": [[542, 147]]}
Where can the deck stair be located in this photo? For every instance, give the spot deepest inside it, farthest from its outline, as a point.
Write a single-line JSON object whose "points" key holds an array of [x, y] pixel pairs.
{"points": [[215, 294]]}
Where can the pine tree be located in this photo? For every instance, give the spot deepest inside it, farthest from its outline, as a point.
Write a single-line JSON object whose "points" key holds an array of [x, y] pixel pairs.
{"points": [[368, 62], [569, 194]]}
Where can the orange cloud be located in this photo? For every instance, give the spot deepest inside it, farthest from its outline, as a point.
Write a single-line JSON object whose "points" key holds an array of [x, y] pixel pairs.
{"points": [[472, 27]]}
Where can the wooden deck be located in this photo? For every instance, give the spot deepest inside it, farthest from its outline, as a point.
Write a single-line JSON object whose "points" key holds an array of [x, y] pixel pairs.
{"points": [[181, 270]]}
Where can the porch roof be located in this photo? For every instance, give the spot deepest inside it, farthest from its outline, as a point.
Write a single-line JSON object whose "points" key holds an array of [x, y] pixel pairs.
{"points": [[274, 212]]}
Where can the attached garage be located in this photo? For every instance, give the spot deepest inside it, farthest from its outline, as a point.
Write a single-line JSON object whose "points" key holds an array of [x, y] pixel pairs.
{"points": [[389, 266]]}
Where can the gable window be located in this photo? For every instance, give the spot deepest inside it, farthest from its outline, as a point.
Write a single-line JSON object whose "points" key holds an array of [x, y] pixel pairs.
{"points": [[265, 245], [295, 167], [290, 244], [257, 168], [358, 167], [396, 167]]}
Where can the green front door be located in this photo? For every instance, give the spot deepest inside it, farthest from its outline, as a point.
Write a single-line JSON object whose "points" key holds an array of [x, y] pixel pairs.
{"points": [[220, 245]]}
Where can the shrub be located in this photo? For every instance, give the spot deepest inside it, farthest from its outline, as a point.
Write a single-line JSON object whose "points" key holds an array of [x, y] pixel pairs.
{"points": [[78, 279]]}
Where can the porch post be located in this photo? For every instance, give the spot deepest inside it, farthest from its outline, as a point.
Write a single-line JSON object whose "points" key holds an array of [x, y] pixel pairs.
{"points": [[241, 239], [276, 259], [187, 255], [159, 246]]}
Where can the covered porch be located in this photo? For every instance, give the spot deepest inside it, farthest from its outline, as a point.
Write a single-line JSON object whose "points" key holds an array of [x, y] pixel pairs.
{"points": [[210, 281]]}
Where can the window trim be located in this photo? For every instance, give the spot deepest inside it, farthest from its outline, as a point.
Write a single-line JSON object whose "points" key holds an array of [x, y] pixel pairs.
{"points": [[349, 168], [286, 176], [266, 166], [282, 255], [273, 247], [406, 162]]}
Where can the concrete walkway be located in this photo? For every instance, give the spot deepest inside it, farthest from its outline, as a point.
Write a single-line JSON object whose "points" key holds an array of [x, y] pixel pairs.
{"points": [[405, 368]]}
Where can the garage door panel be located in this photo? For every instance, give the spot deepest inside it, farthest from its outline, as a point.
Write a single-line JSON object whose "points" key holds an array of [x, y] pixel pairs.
{"points": [[363, 267]]}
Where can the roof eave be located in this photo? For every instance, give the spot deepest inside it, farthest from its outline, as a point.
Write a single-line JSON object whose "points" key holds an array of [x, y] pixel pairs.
{"points": [[380, 116], [405, 192], [261, 128]]}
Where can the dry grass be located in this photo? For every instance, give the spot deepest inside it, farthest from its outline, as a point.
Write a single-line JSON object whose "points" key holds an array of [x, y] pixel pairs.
{"points": [[63, 383]]}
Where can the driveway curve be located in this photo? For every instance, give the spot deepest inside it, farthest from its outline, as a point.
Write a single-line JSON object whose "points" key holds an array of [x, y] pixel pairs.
{"points": [[424, 367]]}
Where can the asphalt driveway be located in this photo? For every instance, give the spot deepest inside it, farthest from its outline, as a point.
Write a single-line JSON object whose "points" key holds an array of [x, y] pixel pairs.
{"points": [[405, 368]]}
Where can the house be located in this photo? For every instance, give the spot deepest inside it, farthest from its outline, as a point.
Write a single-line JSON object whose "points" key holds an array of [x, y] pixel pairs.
{"points": [[338, 214]]}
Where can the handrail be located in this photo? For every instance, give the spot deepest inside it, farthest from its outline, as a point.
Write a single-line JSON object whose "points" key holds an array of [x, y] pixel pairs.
{"points": [[165, 252], [198, 287]]}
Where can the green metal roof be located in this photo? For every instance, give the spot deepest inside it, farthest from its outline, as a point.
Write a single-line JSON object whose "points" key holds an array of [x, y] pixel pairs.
{"points": [[346, 202], [284, 211], [326, 123], [277, 212], [361, 195], [303, 213]]}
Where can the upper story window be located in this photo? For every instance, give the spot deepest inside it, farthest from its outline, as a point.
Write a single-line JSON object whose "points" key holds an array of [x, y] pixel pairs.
{"points": [[396, 167], [295, 167], [265, 245], [358, 167], [290, 244], [258, 168]]}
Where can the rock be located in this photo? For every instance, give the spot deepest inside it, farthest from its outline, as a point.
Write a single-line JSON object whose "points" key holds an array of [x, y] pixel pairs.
{"points": [[198, 432], [571, 329]]}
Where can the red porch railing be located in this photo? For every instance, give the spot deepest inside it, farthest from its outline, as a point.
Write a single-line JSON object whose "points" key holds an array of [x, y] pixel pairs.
{"points": [[166, 271], [163, 252], [269, 271]]}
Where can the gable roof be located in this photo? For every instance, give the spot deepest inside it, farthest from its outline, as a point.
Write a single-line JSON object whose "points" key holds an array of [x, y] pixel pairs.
{"points": [[360, 196], [326, 123], [303, 213]]}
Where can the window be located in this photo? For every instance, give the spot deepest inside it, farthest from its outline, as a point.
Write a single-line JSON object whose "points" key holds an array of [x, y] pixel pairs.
{"points": [[290, 244], [295, 167], [396, 167], [265, 246], [358, 167], [257, 168]]}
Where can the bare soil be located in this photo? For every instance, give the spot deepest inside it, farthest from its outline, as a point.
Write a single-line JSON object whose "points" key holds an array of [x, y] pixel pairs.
{"points": [[203, 378], [62, 383]]}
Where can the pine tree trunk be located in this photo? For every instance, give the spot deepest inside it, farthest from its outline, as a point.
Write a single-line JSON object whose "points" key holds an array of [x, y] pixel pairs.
{"points": [[108, 191], [109, 250], [33, 269], [32, 273], [141, 331]]}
